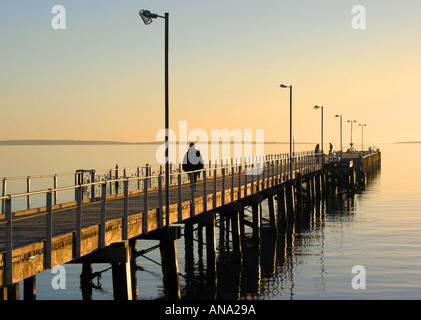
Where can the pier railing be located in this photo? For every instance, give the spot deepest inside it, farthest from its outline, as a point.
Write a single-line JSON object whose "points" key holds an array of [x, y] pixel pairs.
{"points": [[29, 192], [229, 180]]}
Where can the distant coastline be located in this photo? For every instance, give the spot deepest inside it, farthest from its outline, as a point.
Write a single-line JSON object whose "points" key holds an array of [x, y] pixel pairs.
{"points": [[400, 142], [93, 142]]}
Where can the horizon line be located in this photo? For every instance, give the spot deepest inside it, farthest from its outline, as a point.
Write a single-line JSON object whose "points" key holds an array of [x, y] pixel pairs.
{"points": [[93, 142]]}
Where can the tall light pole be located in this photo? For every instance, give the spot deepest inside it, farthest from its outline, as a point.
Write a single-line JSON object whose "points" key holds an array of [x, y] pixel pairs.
{"points": [[362, 125], [340, 130], [147, 17], [321, 107], [290, 127], [351, 121], [323, 153]]}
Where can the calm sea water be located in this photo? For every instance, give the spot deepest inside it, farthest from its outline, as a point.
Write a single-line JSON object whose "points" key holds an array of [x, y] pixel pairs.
{"points": [[379, 230]]}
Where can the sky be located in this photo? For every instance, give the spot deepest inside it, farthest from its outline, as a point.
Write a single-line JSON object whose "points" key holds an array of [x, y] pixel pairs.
{"points": [[102, 77]]}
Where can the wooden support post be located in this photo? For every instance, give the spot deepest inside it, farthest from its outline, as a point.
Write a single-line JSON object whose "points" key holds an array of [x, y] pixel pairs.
{"points": [[221, 232], [236, 236], [299, 193], [256, 219], [168, 249], [290, 201], [10, 292], [121, 273], [308, 192], [208, 221], [242, 225], [313, 188], [133, 276], [86, 281], [272, 216], [282, 211], [29, 288], [189, 249], [318, 187]]}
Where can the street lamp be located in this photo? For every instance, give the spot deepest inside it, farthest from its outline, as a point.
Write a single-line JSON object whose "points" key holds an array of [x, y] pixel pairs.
{"points": [[340, 130], [323, 153], [147, 17], [290, 127], [362, 125], [351, 121], [318, 107]]}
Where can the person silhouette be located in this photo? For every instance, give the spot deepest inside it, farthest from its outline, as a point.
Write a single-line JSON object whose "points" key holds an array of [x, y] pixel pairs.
{"points": [[192, 162]]}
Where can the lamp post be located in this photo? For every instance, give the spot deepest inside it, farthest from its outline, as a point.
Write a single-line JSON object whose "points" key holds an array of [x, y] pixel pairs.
{"points": [[362, 125], [321, 107], [323, 153], [340, 130], [290, 127], [147, 17], [351, 121]]}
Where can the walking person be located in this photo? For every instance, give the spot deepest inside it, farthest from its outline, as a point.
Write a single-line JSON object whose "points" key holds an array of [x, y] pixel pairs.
{"points": [[192, 162]]}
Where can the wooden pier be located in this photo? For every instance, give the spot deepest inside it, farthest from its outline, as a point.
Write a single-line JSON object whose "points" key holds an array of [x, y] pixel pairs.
{"points": [[98, 226]]}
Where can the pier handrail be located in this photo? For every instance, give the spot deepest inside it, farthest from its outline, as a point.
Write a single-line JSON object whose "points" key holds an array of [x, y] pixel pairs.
{"points": [[234, 175], [141, 172]]}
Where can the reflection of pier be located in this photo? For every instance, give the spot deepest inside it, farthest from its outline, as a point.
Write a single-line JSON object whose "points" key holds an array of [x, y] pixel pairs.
{"points": [[236, 242]]}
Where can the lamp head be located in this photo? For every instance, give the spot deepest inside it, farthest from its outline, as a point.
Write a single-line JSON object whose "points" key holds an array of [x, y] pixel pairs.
{"points": [[317, 107], [147, 16], [284, 86]]}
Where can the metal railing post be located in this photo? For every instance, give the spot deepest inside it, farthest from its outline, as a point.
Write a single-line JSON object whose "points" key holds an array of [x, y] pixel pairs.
{"points": [[9, 242], [28, 190], [103, 215], [78, 222], [145, 206], [126, 211], [49, 230]]}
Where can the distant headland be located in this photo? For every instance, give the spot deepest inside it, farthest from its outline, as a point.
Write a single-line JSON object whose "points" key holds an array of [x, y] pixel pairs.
{"points": [[66, 142], [408, 142], [98, 142]]}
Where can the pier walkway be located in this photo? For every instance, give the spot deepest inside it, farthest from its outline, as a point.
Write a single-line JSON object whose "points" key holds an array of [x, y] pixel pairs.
{"points": [[103, 211]]}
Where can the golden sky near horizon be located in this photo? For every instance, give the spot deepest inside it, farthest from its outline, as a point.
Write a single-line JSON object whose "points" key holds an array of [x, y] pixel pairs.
{"points": [[102, 78]]}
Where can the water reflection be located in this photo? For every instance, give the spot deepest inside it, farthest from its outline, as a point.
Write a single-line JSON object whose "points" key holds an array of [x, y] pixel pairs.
{"points": [[270, 264]]}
